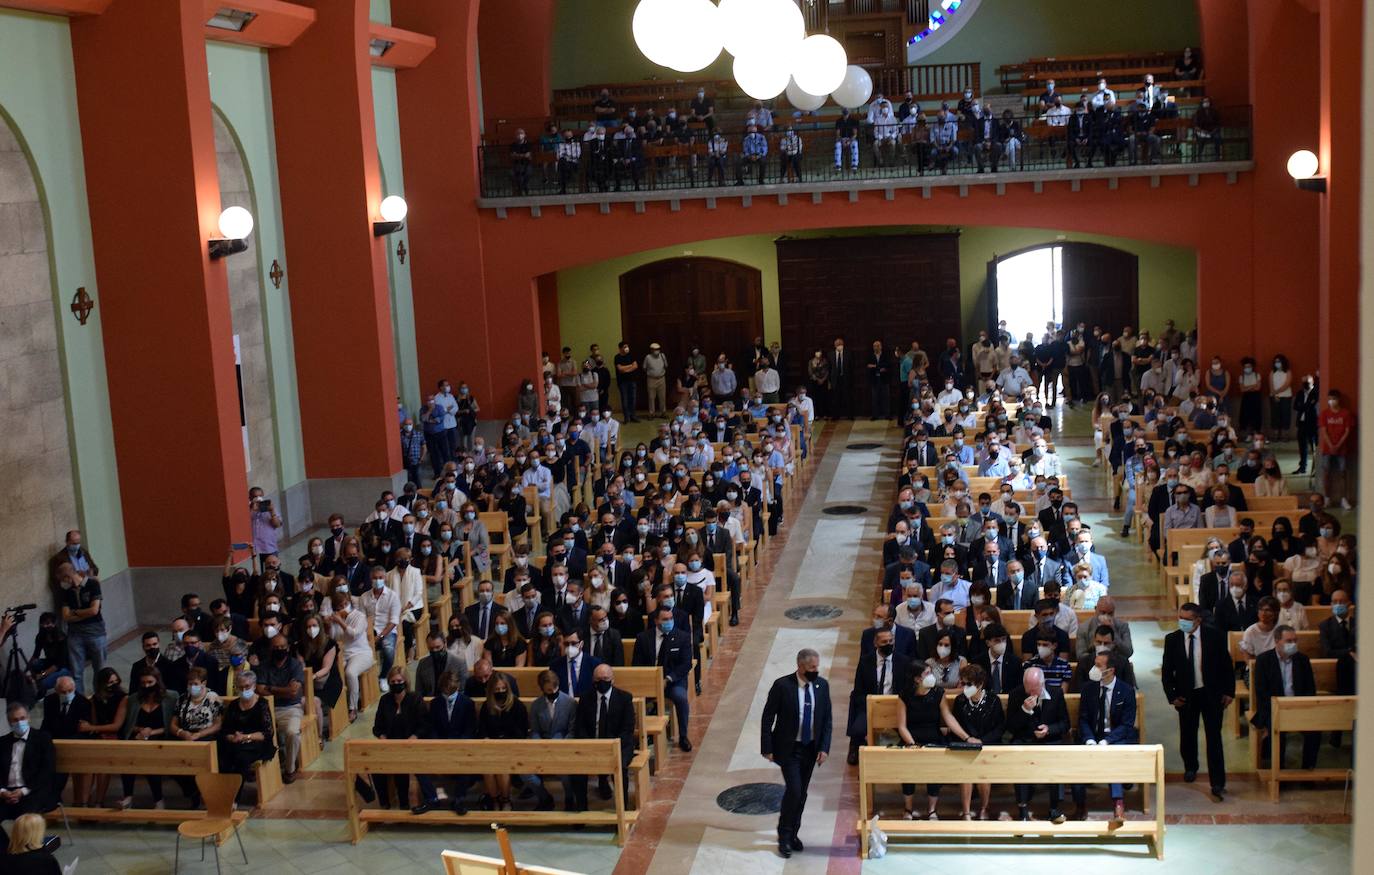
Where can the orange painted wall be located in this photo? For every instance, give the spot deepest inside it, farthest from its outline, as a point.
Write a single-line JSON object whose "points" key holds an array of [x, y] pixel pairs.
{"points": [[153, 193], [340, 298], [516, 76], [1342, 30]]}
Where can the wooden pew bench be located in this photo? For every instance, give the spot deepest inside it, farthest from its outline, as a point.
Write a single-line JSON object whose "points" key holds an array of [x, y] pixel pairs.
{"points": [[172, 758], [1323, 674], [1309, 643], [1009, 764], [590, 757], [645, 683], [1306, 714]]}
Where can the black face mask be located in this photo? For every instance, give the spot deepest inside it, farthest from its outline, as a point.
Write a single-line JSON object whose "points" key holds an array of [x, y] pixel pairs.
{"points": [[884, 650], [279, 654], [552, 697], [602, 687], [812, 676]]}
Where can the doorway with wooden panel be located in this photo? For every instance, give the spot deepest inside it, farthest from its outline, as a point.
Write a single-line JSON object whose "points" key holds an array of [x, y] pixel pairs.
{"points": [[687, 303], [1064, 283]]}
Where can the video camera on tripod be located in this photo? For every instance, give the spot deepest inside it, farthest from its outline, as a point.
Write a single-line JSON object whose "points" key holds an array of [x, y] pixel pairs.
{"points": [[17, 686]]}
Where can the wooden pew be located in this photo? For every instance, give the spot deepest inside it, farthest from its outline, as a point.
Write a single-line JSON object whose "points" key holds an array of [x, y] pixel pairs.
{"points": [[642, 682], [1269, 503], [1306, 714], [884, 713], [590, 757], [98, 757], [1008, 764], [1308, 643], [1017, 621], [1323, 674], [1176, 539]]}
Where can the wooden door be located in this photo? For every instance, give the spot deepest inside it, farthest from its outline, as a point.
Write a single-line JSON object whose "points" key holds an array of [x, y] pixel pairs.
{"points": [[1101, 287], [682, 303]]}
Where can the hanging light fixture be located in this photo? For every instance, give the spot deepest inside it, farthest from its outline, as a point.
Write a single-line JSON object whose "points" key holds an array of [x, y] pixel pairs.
{"points": [[818, 66], [696, 39]]}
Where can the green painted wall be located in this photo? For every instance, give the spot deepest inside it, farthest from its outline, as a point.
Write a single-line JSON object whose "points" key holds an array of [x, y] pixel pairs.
{"points": [[1009, 31], [593, 41], [38, 92], [241, 89], [589, 296], [393, 182]]}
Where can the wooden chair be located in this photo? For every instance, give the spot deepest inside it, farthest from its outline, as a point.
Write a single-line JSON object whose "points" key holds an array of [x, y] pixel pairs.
{"points": [[218, 791], [497, 523]]}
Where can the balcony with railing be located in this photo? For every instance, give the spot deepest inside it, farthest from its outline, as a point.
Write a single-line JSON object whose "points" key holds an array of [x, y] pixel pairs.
{"points": [[684, 167]]}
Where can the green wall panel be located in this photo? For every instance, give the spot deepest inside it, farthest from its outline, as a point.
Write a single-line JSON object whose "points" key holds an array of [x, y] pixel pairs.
{"points": [[393, 182]]}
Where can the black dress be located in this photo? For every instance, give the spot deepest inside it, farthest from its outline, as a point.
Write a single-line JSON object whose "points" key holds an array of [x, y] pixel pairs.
{"points": [[333, 685], [923, 722], [144, 719], [242, 756]]}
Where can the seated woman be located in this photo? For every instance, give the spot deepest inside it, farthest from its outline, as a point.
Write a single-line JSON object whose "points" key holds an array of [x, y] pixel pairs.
{"points": [[945, 664], [975, 717], [25, 854], [319, 652], [503, 716], [198, 718], [109, 705], [147, 718], [507, 648], [1304, 569], [464, 645], [401, 714], [349, 629], [1085, 592], [1290, 612], [920, 723], [246, 732]]}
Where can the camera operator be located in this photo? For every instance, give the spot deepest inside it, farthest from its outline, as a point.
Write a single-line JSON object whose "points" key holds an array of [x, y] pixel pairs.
{"points": [[50, 660]]}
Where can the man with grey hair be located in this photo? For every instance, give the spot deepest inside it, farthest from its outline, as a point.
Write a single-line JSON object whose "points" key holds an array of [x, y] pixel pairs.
{"points": [[795, 734], [1037, 714], [1105, 616]]}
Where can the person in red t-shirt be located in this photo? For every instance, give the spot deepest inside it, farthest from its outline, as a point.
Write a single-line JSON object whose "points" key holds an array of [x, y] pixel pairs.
{"points": [[1335, 425]]}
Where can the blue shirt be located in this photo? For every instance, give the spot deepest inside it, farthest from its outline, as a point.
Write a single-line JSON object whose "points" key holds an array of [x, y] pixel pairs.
{"points": [[412, 443], [755, 144]]}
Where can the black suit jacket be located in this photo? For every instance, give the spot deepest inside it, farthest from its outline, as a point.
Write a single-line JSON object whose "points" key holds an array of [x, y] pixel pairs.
{"points": [[929, 458], [782, 718], [1269, 682], [357, 577], [1052, 713], [676, 653], [1229, 618], [619, 722], [1210, 590], [1218, 674], [57, 726], [475, 689], [1022, 598], [866, 684], [401, 720], [903, 640], [38, 767], [1337, 640], [1010, 669], [463, 723], [473, 614], [612, 647]]}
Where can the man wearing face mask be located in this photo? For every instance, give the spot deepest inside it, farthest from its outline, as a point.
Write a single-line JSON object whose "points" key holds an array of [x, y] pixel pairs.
{"points": [[1200, 683], [574, 668], [998, 659], [795, 735], [1037, 714], [882, 672], [1102, 642], [383, 608], [1239, 609], [30, 764], [283, 678], [944, 622], [603, 711], [1107, 715], [1105, 616], [1283, 671], [81, 601]]}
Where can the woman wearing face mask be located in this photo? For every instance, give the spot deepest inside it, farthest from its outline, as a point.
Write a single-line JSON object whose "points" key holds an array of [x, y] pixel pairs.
{"points": [[506, 648], [1282, 544], [462, 644], [318, 652], [227, 649], [472, 532], [1259, 566], [198, 717], [920, 722], [109, 708], [246, 737], [546, 643], [1290, 612], [1270, 481], [1304, 570], [975, 717], [148, 718], [945, 663], [626, 618], [401, 715], [1280, 398], [432, 565], [1328, 536], [503, 716], [1217, 383], [1336, 574], [1251, 390]]}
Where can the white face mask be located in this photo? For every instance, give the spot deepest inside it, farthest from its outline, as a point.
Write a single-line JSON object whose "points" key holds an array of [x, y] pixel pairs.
{"points": [[970, 691], [998, 648], [1284, 596], [927, 681], [1094, 674], [1102, 648], [1045, 651], [313, 631], [221, 637], [1237, 592]]}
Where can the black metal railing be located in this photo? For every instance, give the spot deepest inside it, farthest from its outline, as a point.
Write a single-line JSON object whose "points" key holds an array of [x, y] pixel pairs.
{"points": [[685, 165]]}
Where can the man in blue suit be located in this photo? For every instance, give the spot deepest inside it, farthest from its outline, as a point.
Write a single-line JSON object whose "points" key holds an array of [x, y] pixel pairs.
{"points": [[904, 639], [666, 645], [451, 715], [574, 668], [1106, 715], [795, 734]]}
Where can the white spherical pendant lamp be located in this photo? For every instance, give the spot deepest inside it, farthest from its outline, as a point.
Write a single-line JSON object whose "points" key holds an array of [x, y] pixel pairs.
{"points": [[653, 29], [856, 88], [819, 64], [760, 76], [801, 99], [696, 36]]}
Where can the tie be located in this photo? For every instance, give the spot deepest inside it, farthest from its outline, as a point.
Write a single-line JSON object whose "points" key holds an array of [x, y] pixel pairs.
{"points": [[600, 714], [64, 709], [482, 631], [596, 645], [996, 677], [882, 676], [1101, 713], [572, 676], [806, 718], [1192, 663]]}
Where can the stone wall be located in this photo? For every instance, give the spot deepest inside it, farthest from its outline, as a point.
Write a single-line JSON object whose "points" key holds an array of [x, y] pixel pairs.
{"points": [[245, 300], [35, 454]]}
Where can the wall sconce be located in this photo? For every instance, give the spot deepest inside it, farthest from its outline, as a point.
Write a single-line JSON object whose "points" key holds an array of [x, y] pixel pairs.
{"points": [[1303, 166], [235, 224], [393, 211]]}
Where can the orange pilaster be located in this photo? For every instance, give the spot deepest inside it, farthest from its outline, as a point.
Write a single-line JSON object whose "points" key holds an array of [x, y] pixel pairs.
{"points": [[1342, 28], [515, 77], [331, 191], [471, 322], [143, 92], [1225, 52]]}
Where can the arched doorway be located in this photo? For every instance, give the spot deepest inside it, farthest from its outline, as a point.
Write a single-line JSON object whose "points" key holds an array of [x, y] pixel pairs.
{"points": [[1065, 283], [682, 303]]}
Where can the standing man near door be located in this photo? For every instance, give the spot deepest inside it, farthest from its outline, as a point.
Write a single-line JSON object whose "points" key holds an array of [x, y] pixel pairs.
{"points": [[879, 366], [656, 373], [796, 736], [626, 374], [840, 379]]}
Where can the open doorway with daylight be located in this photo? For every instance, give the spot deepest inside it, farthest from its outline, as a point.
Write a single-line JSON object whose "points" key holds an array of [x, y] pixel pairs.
{"points": [[1062, 284]]}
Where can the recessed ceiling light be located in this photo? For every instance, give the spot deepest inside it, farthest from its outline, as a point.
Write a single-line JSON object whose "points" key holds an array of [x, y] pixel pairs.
{"points": [[379, 47], [226, 18]]}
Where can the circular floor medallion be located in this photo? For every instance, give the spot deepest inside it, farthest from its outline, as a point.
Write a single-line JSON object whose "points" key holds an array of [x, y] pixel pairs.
{"points": [[863, 446], [812, 613], [752, 799], [844, 510]]}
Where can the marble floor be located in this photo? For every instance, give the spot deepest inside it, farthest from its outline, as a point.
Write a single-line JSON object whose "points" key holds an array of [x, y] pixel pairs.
{"points": [[827, 566]]}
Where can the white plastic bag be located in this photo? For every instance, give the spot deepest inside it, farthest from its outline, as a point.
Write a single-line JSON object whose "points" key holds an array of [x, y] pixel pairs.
{"points": [[877, 840]]}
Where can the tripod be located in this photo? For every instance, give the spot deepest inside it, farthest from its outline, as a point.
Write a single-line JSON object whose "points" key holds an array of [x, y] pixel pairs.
{"points": [[17, 687]]}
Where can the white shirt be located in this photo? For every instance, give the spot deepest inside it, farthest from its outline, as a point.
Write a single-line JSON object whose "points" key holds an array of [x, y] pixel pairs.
{"points": [[410, 586], [383, 610], [1255, 640], [1196, 637], [1058, 116], [884, 669], [1107, 711], [16, 772], [353, 634], [807, 407], [803, 691], [1100, 97], [915, 620]]}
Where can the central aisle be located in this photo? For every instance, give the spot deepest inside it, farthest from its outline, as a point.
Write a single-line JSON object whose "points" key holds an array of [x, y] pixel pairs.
{"points": [[828, 564]]}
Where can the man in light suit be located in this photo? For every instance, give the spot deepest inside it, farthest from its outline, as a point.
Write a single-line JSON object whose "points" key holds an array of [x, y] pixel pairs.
{"points": [[1106, 616], [795, 734], [1112, 724], [1083, 552]]}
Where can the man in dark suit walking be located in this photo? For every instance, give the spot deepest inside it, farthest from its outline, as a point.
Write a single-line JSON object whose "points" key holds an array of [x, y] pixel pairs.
{"points": [[1200, 682], [605, 712], [881, 672], [1284, 671], [795, 734]]}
